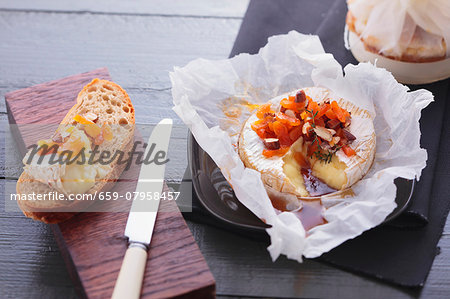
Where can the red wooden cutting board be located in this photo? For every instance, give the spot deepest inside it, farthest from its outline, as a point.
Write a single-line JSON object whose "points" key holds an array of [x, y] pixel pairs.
{"points": [[93, 244]]}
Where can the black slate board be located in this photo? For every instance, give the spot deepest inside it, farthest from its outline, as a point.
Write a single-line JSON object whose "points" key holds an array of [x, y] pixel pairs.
{"points": [[403, 252]]}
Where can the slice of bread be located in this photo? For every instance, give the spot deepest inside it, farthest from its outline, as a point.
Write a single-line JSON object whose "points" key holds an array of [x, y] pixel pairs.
{"points": [[111, 104]]}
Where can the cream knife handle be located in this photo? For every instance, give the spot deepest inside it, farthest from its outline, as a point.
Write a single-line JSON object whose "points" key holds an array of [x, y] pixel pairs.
{"points": [[129, 282]]}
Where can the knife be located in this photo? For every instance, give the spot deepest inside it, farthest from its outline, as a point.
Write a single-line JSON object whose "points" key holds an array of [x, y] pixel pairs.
{"points": [[142, 217]]}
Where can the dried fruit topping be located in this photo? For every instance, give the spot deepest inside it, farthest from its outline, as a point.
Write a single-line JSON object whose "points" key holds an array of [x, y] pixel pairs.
{"points": [[288, 120], [82, 120], [99, 139], [348, 150], [279, 152], [107, 132], [91, 128], [57, 137], [74, 145], [320, 124], [272, 143], [263, 109], [295, 133], [47, 147]]}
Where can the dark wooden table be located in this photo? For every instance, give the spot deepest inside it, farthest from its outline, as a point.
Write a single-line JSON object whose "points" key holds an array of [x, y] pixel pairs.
{"points": [[140, 42]]}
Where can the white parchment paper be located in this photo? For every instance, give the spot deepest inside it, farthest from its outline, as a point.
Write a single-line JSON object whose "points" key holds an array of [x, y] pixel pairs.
{"points": [[214, 98], [393, 22]]}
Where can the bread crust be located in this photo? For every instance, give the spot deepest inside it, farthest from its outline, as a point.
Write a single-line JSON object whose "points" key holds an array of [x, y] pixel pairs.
{"points": [[25, 181]]}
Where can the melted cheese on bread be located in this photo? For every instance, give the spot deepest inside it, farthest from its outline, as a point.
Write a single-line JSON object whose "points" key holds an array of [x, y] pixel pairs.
{"points": [[67, 178]]}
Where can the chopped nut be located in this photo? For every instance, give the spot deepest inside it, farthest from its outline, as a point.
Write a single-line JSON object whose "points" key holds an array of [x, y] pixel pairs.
{"points": [[61, 134], [57, 137], [300, 97], [323, 133], [333, 123], [334, 141], [290, 113], [99, 139], [347, 122], [347, 135], [306, 127], [326, 146], [272, 143], [91, 116]]}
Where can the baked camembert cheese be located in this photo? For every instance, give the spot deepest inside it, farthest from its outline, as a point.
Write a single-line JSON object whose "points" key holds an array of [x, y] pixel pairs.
{"points": [[308, 143]]}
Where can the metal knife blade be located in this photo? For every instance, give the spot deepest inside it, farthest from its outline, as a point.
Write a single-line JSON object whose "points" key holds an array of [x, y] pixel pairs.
{"points": [[142, 217]]}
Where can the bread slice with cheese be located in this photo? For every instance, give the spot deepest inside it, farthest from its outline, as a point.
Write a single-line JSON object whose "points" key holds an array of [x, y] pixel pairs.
{"points": [[283, 173], [106, 104]]}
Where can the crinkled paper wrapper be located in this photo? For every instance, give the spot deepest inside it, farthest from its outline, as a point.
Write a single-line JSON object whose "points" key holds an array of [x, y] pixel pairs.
{"points": [[214, 98], [393, 22]]}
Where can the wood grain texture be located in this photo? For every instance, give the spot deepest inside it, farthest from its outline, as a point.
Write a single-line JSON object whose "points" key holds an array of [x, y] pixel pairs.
{"points": [[30, 262], [136, 50], [92, 244], [199, 8], [38, 51], [242, 267]]}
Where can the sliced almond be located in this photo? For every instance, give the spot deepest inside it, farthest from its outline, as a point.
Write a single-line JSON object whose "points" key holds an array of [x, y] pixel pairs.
{"points": [[306, 127], [323, 133], [334, 141], [348, 122], [57, 137], [91, 116], [290, 113]]}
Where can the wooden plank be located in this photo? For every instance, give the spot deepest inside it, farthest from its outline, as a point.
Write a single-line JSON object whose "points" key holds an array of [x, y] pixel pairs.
{"points": [[30, 261], [138, 51], [92, 243], [199, 8]]}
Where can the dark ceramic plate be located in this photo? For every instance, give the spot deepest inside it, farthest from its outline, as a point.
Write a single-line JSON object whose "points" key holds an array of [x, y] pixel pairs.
{"points": [[217, 196]]}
